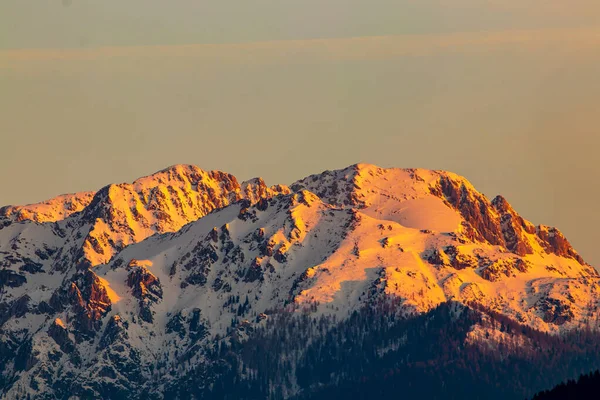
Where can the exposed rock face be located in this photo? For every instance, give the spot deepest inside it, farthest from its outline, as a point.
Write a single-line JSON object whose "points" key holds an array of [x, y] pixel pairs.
{"points": [[491, 270], [11, 278], [16, 308], [256, 191], [475, 209], [199, 261], [121, 361], [143, 283], [451, 256], [513, 227], [499, 224], [339, 188], [90, 305], [254, 272], [494, 271], [87, 298], [58, 331], [115, 331], [94, 291], [146, 287], [555, 242], [26, 357], [554, 311]]}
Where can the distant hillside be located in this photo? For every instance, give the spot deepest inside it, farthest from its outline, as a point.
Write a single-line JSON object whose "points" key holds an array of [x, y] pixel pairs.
{"points": [[586, 387]]}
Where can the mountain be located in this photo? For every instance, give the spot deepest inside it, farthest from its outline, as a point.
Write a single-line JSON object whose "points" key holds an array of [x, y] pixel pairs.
{"points": [[164, 287]]}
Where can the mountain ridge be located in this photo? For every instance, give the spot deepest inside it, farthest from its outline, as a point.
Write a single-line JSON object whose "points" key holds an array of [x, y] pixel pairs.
{"points": [[184, 258]]}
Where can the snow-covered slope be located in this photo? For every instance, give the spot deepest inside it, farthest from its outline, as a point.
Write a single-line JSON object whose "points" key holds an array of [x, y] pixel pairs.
{"points": [[148, 274], [55, 209]]}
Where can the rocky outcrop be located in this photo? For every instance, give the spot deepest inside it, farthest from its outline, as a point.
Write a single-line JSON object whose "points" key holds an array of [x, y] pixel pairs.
{"points": [[176, 324], [11, 279], [474, 207], [198, 262], [58, 331], [513, 227], [255, 271], [94, 291], [555, 311], [26, 357], [493, 271], [498, 223], [121, 364], [553, 241], [32, 267], [16, 308], [143, 283], [256, 191], [459, 260], [146, 287], [338, 188], [115, 331], [451, 256], [86, 297]]}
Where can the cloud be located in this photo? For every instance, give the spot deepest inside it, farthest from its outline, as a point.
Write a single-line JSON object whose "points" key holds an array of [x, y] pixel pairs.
{"points": [[356, 48]]}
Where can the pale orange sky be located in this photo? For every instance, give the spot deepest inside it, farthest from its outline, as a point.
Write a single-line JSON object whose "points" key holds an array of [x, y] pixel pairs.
{"points": [[504, 93]]}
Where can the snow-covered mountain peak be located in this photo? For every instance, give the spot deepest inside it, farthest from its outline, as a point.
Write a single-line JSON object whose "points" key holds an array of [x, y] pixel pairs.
{"points": [[152, 272], [163, 202], [180, 175], [367, 184]]}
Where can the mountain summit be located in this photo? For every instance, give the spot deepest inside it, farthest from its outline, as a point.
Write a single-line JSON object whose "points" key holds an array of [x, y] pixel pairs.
{"points": [[127, 290]]}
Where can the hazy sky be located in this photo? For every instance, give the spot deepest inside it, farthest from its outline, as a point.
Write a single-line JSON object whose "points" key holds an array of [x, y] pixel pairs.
{"points": [[504, 92]]}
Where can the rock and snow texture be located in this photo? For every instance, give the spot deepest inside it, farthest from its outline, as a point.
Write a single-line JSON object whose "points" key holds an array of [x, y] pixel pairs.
{"points": [[52, 210], [126, 283]]}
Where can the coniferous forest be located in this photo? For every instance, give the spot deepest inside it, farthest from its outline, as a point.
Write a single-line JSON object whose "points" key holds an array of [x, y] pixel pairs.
{"points": [[587, 387], [375, 353]]}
